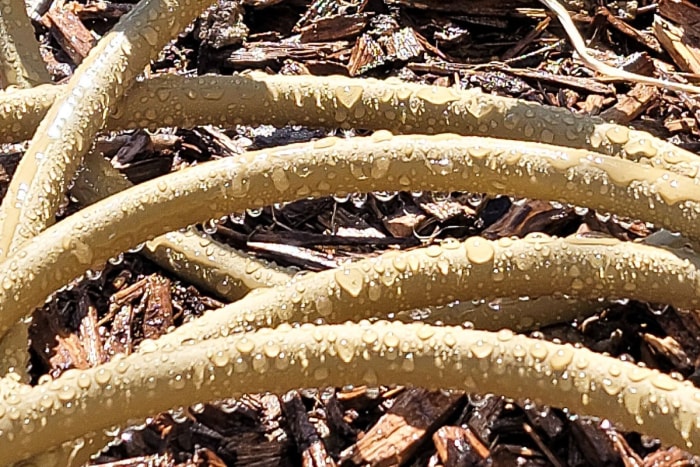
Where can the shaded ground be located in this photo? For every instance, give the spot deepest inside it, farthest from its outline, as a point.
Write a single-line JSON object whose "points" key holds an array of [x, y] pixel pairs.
{"points": [[509, 47]]}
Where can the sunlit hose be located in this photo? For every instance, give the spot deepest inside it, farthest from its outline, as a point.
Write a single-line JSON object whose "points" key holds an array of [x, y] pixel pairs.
{"points": [[383, 353], [380, 162], [191, 255], [68, 129], [231, 274], [475, 269], [21, 65], [337, 101]]}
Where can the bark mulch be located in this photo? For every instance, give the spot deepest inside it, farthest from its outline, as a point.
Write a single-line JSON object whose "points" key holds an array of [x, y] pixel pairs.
{"points": [[508, 47]]}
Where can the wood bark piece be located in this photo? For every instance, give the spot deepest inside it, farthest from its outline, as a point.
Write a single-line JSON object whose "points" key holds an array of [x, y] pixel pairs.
{"points": [[334, 28], [73, 37], [594, 444], [120, 340], [222, 25], [399, 433], [682, 12], [457, 446], [309, 443], [632, 104], [634, 34], [158, 312], [684, 49], [484, 415], [505, 8], [668, 348], [59, 348]]}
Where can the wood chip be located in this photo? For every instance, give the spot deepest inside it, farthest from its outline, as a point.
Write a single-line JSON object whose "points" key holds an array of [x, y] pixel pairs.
{"points": [[593, 443], [369, 53], [405, 223], [531, 216], [73, 37], [592, 105], [683, 49], [401, 431], [484, 415], [457, 446], [645, 39], [313, 450], [62, 342], [671, 457], [221, 25], [366, 54], [100, 10], [334, 28], [632, 105], [337, 423], [361, 398], [90, 336], [523, 43], [683, 124], [260, 54], [669, 348], [120, 340], [158, 313], [443, 207], [130, 293]]}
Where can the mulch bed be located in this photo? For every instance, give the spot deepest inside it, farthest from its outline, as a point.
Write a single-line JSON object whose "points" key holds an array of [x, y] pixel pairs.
{"points": [[507, 47]]}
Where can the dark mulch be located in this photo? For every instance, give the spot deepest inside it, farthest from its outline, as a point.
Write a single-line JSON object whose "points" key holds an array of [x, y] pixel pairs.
{"points": [[508, 47]]}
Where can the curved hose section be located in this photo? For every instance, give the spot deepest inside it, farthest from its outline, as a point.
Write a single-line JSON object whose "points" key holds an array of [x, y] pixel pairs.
{"points": [[21, 64], [193, 256], [231, 274], [336, 101], [382, 353], [68, 130], [477, 268], [381, 162]]}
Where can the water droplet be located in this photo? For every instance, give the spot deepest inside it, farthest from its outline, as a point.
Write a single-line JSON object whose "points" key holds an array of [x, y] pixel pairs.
{"points": [[385, 196], [280, 179], [324, 306], [245, 345], [271, 349], [561, 359], [538, 350], [369, 337], [481, 349], [358, 199], [177, 382], [479, 250], [254, 212], [350, 279], [220, 359], [345, 350], [664, 382], [425, 332], [103, 376]]}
